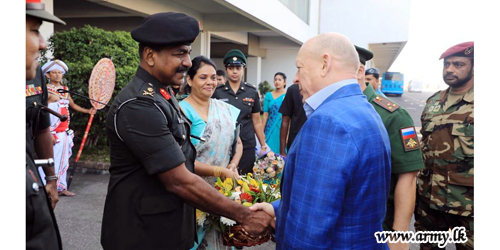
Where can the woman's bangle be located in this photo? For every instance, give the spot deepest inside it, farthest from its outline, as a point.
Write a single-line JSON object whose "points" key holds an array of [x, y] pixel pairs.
{"points": [[217, 171]]}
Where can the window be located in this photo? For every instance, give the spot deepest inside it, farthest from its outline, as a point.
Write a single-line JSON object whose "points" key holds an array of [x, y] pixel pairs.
{"points": [[393, 77], [299, 7]]}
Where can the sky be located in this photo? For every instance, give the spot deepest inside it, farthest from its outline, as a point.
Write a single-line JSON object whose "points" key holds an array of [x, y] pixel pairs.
{"points": [[434, 27]]}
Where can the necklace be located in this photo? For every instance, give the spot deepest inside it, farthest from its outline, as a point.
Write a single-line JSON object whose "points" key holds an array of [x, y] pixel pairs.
{"points": [[56, 88], [203, 113]]}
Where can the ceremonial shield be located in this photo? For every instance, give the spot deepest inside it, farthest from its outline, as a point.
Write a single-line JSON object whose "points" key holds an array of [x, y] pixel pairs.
{"points": [[101, 86]]}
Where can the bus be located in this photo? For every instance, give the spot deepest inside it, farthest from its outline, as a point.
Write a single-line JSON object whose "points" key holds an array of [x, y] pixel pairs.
{"points": [[392, 83]]}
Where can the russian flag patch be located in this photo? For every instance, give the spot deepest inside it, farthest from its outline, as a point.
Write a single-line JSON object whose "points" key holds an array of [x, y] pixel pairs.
{"points": [[409, 138]]}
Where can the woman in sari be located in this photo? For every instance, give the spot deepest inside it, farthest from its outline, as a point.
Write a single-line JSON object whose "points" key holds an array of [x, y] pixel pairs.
{"points": [[212, 133], [272, 116]]}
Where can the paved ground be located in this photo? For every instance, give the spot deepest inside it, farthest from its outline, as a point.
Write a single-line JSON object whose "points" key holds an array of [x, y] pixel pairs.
{"points": [[80, 217]]}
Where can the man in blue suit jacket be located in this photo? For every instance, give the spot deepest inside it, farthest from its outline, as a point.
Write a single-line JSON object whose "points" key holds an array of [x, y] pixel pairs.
{"points": [[335, 183]]}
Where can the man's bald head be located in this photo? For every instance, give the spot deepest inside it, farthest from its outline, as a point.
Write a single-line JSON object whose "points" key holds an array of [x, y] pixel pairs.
{"points": [[339, 47], [325, 59]]}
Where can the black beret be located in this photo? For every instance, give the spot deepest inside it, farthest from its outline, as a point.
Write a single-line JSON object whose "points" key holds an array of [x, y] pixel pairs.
{"points": [[167, 28], [364, 54]]}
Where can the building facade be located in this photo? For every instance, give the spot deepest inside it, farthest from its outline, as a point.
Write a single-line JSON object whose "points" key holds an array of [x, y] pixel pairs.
{"points": [[268, 32]]}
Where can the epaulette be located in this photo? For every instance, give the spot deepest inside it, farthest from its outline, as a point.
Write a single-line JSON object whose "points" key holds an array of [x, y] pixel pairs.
{"points": [[250, 85], [385, 104], [147, 90]]}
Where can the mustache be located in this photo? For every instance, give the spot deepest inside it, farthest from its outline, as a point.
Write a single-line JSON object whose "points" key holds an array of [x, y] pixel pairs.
{"points": [[181, 69]]}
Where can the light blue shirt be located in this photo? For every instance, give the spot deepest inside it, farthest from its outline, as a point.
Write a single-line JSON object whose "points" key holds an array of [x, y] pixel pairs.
{"points": [[313, 102]]}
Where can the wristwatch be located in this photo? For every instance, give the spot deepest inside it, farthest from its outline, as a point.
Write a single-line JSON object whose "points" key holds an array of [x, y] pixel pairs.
{"points": [[51, 177]]}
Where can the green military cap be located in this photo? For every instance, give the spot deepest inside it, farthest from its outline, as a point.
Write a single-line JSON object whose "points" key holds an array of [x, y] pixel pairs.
{"points": [[364, 54], [235, 58]]}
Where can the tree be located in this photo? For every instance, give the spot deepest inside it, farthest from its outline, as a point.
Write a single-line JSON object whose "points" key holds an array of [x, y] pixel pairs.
{"points": [[264, 87], [81, 49]]}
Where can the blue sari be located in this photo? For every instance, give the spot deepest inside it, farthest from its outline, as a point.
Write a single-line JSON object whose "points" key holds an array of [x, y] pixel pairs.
{"points": [[273, 124]]}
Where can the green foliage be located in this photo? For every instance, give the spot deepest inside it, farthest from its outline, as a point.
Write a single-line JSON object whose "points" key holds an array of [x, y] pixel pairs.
{"points": [[81, 49], [264, 87]]}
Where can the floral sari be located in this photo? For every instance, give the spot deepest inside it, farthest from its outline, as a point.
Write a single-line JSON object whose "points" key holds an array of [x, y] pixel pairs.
{"points": [[273, 124]]}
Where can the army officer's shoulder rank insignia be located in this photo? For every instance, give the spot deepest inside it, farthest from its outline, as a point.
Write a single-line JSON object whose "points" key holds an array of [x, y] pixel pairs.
{"points": [[409, 138], [149, 91], [385, 104]]}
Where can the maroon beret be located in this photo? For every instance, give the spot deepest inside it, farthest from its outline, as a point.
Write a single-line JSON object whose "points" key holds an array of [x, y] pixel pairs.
{"points": [[463, 49]]}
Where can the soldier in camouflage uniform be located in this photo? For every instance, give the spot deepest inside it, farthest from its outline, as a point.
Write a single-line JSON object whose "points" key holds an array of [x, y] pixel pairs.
{"points": [[445, 196]]}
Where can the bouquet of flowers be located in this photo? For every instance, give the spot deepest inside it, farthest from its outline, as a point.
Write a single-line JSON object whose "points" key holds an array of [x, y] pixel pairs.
{"points": [[246, 191], [269, 168]]}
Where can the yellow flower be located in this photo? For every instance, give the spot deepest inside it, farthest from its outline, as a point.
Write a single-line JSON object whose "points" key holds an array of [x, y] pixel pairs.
{"points": [[253, 182], [245, 188], [250, 174], [221, 191], [231, 235], [240, 182]]}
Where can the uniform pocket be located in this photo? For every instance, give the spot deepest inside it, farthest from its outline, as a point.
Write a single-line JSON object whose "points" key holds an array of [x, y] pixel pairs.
{"points": [[461, 179], [464, 138], [179, 130], [248, 103]]}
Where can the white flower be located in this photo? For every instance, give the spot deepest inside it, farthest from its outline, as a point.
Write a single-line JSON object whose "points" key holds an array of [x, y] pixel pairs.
{"points": [[235, 196], [227, 222], [201, 219]]}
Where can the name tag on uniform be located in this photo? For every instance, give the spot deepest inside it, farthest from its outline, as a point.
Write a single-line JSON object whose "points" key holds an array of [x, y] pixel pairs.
{"points": [[224, 100]]}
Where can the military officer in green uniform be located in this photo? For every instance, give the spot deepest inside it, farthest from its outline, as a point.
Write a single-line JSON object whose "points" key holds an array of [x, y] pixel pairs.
{"points": [[152, 187], [245, 97], [41, 226], [406, 158], [446, 185]]}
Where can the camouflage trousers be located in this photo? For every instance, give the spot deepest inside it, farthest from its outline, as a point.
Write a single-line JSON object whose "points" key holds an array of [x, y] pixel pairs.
{"points": [[428, 219]]}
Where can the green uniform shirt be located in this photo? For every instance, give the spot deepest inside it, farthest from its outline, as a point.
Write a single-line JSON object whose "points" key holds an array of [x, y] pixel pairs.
{"points": [[403, 158]]}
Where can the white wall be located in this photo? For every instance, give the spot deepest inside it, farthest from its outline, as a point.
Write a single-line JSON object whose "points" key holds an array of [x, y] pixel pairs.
{"points": [[218, 63], [275, 15], [279, 60], [366, 21], [47, 29]]}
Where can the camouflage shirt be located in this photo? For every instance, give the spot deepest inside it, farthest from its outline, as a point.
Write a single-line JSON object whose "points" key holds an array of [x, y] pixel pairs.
{"points": [[447, 181]]}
